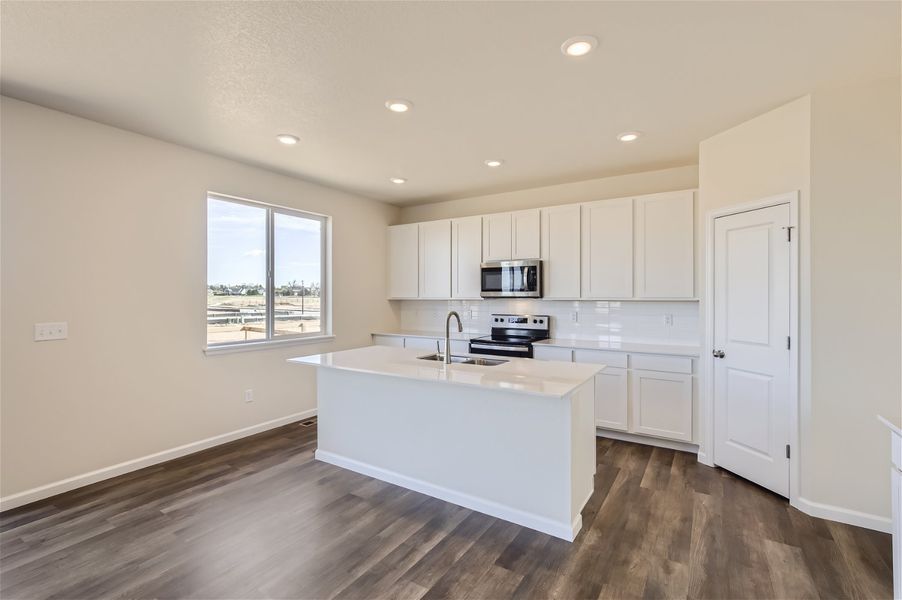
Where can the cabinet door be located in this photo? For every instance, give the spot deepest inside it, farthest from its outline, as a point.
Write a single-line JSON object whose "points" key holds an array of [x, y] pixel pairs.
{"points": [[403, 266], [664, 245], [525, 234], [607, 249], [466, 256], [661, 404], [560, 251], [612, 399], [496, 237], [435, 259]]}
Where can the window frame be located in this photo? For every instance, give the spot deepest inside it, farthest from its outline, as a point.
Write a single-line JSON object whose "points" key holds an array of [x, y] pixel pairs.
{"points": [[271, 340]]}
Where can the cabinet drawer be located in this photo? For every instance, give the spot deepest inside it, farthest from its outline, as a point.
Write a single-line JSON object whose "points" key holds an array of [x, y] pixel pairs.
{"points": [[552, 353], [388, 340], [668, 364], [601, 357]]}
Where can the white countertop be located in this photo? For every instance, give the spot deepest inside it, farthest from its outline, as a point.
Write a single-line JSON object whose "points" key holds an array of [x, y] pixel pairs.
{"points": [[611, 346], [430, 334], [540, 378]]}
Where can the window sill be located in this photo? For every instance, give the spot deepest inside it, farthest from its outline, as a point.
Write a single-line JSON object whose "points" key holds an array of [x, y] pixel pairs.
{"points": [[266, 345]]}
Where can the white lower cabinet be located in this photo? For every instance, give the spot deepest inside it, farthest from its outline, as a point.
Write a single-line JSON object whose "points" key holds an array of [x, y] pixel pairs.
{"points": [[612, 399], [643, 394], [661, 404]]}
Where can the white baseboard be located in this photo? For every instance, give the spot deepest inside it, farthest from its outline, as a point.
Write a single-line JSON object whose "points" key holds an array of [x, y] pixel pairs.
{"points": [[647, 440], [844, 515], [566, 531], [705, 459], [71, 483]]}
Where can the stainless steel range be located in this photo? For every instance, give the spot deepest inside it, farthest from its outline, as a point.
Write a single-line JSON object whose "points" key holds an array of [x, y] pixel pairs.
{"points": [[512, 335]]}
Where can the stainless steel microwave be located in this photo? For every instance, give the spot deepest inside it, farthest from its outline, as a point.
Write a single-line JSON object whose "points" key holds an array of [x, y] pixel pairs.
{"points": [[512, 279]]}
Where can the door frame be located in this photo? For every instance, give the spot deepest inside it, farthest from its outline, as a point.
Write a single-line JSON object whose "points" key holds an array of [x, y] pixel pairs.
{"points": [[792, 199]]}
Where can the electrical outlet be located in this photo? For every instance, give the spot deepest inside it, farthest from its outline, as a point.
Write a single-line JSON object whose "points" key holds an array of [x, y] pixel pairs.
{"points": [[574, 316], [668, 320], [248, 395], [44, 332]]}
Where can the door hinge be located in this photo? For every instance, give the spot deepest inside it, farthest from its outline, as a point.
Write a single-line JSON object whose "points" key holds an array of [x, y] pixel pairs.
{"points": [[789, 232], [788, 342], [787, 450]]}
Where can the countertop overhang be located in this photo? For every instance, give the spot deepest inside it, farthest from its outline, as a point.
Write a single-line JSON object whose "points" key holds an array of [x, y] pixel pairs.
{"points": [[540, 378]]}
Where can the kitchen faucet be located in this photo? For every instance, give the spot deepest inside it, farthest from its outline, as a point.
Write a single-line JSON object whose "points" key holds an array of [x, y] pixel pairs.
{"points": [[448, 334]]}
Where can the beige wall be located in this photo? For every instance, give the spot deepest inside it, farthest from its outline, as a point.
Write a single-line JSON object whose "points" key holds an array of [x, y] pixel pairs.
{"points": [[106, 229], [763, 157], [841, 150], [650, 182], [855, 308]]}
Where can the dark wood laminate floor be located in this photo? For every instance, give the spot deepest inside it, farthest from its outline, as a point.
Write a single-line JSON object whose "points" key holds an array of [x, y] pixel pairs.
{"points": [[260, 518]]}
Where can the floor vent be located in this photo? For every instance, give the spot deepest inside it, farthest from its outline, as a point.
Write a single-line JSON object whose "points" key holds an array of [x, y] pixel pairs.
{"points": [[308, 422]]}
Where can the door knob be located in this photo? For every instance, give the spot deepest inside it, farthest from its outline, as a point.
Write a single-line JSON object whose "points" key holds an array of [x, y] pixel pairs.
{"points": [[718, 353]]}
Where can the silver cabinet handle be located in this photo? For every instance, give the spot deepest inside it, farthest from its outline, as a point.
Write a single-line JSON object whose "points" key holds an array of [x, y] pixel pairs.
{"points": [[718, 353]]}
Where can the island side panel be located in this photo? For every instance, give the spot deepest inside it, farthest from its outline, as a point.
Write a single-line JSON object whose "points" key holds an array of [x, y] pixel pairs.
{"points": [[503, 453], [582, 444]]}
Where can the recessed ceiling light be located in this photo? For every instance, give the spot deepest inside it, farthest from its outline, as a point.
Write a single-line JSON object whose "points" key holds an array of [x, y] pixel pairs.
{"points": [[629, 136], [494, 163], [288, 139], [579, 45], [398, 105], [398, 180]]}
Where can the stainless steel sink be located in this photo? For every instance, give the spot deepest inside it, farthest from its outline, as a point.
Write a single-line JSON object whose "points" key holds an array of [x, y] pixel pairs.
{"points": [[441, 358], [484, 362], [464, 360]]}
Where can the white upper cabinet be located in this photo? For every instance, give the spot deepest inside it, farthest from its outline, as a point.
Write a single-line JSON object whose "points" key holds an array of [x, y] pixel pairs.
{"points": [[628, 248], [607, 249], [525, 234], [403, 266], [664, 242], [466, 256], [507, 236], [560, 251], [435, 259], [496, 237]]}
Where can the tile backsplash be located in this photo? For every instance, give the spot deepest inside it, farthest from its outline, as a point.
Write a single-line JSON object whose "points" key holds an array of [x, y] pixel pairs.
{"points": [[649, 322]]}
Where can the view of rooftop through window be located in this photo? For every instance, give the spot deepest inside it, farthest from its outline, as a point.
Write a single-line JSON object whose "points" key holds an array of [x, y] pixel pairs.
{"points": [[238, 288]]}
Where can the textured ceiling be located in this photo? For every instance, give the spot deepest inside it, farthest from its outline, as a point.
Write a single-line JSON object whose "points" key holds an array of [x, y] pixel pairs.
{"points": [[487, 79]]}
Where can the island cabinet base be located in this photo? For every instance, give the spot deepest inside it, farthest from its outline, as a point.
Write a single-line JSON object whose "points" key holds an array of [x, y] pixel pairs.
{"points": [[525, 458]]}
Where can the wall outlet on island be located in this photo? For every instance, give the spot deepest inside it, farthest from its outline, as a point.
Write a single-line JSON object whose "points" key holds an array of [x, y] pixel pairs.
{"points": [[248, 395]]}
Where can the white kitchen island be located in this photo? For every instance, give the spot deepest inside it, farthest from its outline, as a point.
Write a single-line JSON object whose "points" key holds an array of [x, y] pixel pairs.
{"points": [[515, 441]]}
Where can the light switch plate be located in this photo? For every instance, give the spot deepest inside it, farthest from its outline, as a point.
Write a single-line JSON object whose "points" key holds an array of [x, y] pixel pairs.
{"points": [[44, 332]]}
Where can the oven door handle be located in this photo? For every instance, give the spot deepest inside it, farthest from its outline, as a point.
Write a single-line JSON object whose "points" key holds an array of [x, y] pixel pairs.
{"points": [[477, 346]]}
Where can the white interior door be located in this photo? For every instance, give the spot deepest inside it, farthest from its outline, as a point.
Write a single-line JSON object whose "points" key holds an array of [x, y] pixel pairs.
{"points": [[751, 331]]}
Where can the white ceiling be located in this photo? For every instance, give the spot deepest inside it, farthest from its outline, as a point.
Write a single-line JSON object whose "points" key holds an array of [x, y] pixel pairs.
{"points": [[487, 79]]}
